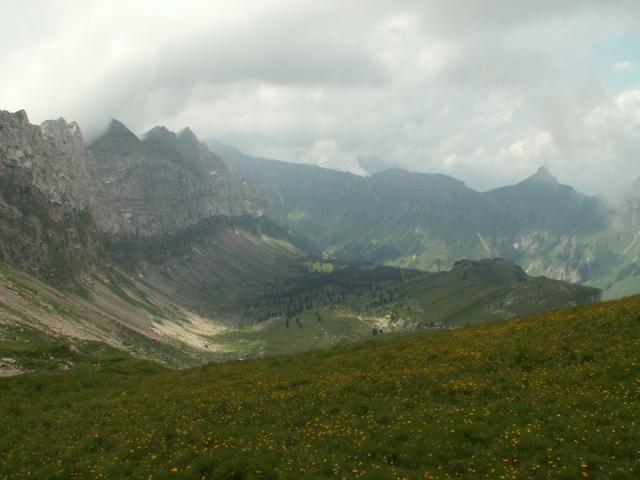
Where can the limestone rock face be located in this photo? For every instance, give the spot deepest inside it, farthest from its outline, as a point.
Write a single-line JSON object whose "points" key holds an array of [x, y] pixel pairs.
{"points": [[162, 183], [45, 196], [58, 198], [50, 159]]}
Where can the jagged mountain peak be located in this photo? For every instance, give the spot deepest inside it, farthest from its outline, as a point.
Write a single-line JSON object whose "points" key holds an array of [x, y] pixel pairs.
{"points": [[117, 138], [61, 129], [187, 133], [160, 134], [176, 181], [187, 138], [168, 138], [543, 176], [22, 116], [116, 127]]}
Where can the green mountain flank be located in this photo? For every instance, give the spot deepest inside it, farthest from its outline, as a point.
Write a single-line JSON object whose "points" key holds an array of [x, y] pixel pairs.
{"points": [[429, 221]]}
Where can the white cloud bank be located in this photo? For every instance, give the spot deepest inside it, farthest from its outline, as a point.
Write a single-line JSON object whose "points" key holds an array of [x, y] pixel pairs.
{"points": [[484, 91]]}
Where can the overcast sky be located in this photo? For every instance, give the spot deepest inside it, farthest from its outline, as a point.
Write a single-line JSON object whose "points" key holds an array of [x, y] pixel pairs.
{"points": [[483, 90]]}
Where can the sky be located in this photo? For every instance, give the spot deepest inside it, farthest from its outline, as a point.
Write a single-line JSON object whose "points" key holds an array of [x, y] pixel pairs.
{"points": [[485, 91]]}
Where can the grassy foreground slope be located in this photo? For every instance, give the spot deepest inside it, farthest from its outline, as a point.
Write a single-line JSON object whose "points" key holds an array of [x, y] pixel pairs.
{"points": [[553, 396]]}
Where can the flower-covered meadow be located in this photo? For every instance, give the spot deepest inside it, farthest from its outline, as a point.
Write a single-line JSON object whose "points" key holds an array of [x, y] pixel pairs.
{"points": [[552, 396]]}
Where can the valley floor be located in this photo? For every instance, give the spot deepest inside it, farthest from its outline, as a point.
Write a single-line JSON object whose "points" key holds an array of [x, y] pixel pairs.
{"points": [[552, 396]]}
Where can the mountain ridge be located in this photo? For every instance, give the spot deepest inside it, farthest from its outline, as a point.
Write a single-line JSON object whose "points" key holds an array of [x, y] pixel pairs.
{"points": [[542, 175], [549, 228]]}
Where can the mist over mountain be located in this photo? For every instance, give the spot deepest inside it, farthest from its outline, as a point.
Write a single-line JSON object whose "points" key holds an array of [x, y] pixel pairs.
{"points": [[373, 165], [430, 221], [162, 183], [484, 93]]}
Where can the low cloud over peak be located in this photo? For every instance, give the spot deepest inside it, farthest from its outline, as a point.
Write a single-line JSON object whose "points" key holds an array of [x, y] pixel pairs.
{"points": [[484, 91]]}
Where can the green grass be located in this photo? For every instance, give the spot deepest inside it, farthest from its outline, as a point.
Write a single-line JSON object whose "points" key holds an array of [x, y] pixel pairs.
{"points": [[335, 327], [354, 299], [318, 266], [554, 396], [34, 350]]}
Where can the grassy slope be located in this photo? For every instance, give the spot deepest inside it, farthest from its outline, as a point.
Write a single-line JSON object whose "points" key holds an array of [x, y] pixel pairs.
{"points": [[166, 310], [554, 396], [487, 290], [199, 304], [33, 349], [395, 301]]}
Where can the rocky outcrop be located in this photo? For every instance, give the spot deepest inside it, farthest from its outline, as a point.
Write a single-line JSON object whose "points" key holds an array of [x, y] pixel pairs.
{"points": [[162, 183], [50, 158], [45, 196], [542, 176], [58, 199]]}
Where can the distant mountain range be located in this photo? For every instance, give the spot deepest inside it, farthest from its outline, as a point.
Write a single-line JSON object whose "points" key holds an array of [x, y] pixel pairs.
{"points": [[429, 221]]}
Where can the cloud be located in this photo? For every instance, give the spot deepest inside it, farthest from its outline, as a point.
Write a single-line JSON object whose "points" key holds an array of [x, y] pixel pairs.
{"points": [[327, 154], [485, 91], [533, 146], [623, 67]]}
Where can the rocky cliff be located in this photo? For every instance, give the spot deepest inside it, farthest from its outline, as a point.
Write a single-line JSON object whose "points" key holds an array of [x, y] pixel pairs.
{"points": [[59, 199], [162, 183], [45, 195]]}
